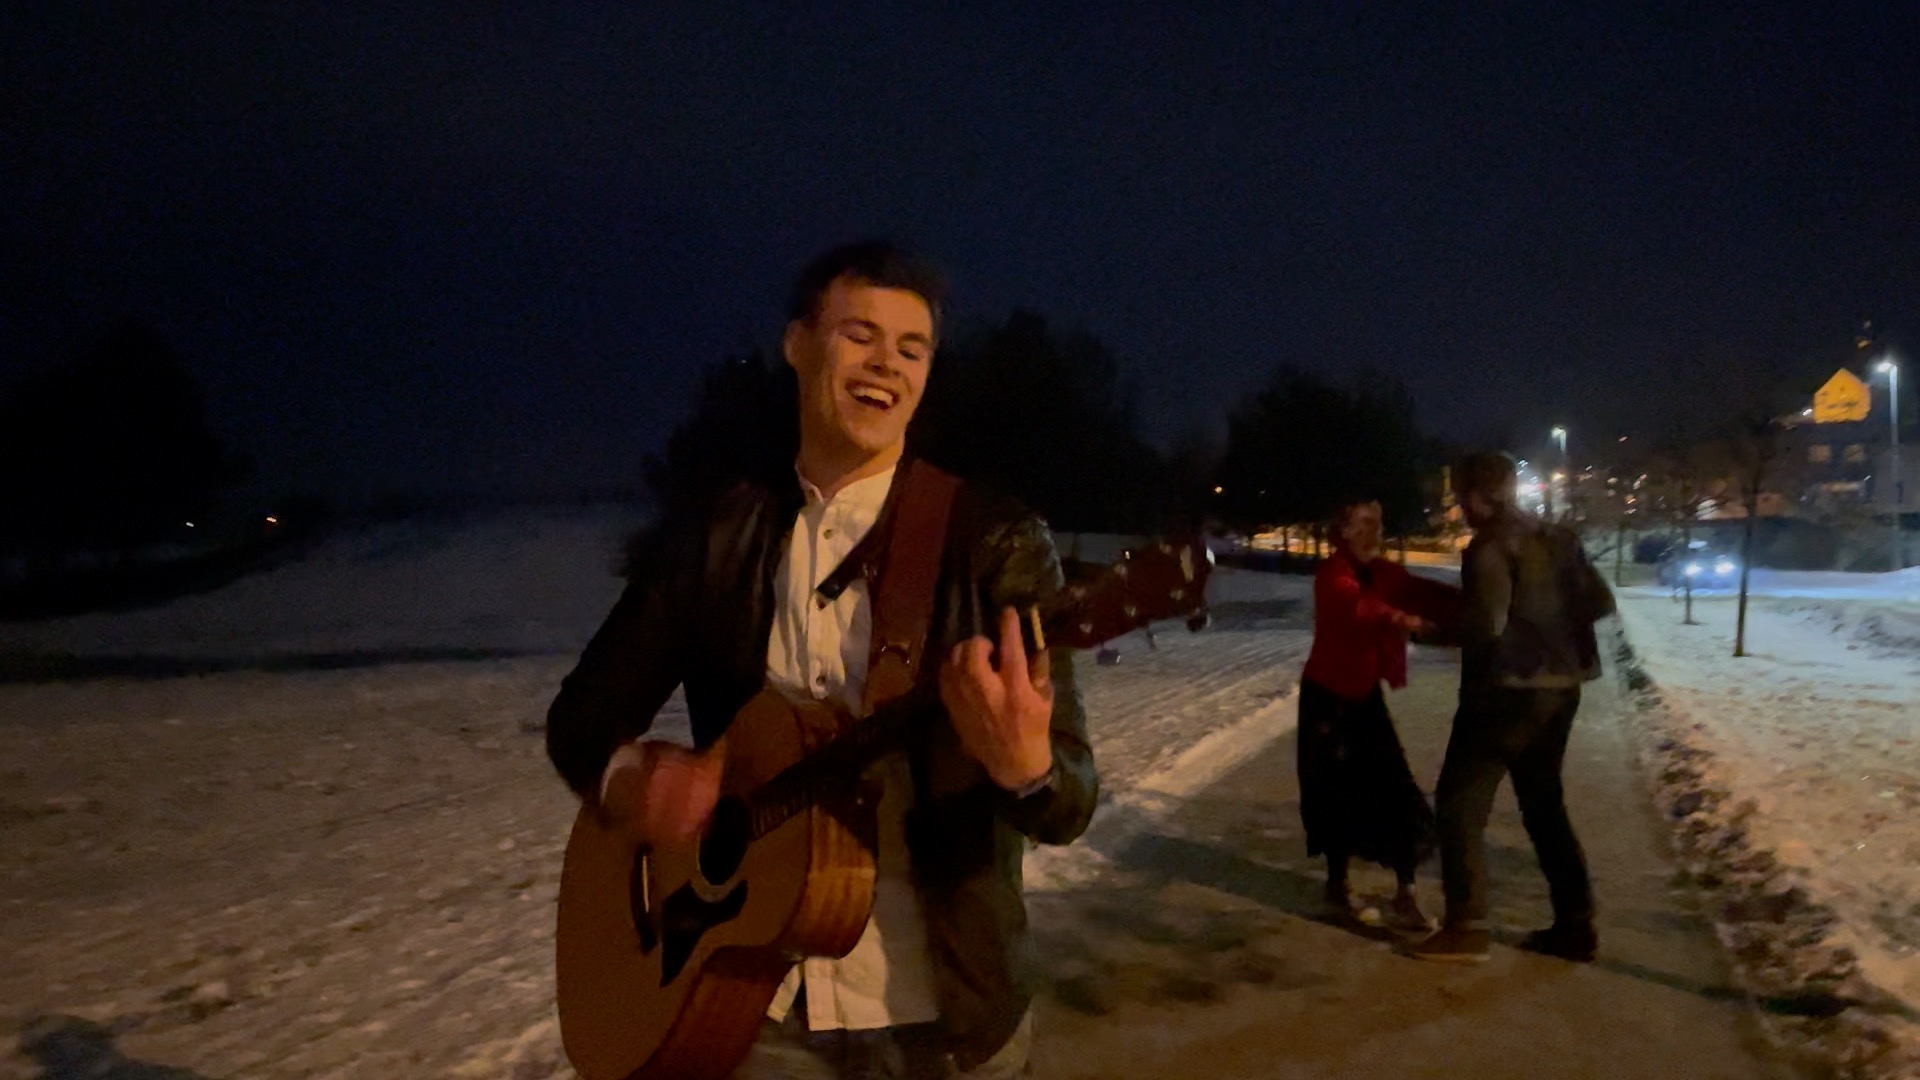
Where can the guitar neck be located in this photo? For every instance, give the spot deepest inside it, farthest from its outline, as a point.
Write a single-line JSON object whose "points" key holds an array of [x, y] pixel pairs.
{"points": [[838, 764], [1157, 582], [831, 769]]}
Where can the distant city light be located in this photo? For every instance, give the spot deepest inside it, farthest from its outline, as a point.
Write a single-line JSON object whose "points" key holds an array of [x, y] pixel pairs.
{"points": [[1217, 489], [273, 521], [189, 524]]}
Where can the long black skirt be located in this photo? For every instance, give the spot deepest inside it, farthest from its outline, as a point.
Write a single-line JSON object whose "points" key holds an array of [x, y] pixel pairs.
{"points": [[1357, 795]]}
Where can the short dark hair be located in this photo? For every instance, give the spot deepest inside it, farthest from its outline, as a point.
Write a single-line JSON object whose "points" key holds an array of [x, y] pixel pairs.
{"points": [[1348, 502], [876, 262], [1490, 473]]}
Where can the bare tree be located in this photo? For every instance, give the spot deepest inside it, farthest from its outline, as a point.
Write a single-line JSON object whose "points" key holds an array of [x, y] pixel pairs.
{"points": [[1755, 452], [1684, 482]]}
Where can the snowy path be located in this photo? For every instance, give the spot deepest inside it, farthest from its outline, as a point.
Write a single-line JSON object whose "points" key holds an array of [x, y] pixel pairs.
{"points": [[1202, 951]]}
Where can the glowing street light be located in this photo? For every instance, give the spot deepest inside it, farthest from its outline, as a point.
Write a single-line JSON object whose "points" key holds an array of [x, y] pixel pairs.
{"points": [[1559, 434], [1892, 371]]}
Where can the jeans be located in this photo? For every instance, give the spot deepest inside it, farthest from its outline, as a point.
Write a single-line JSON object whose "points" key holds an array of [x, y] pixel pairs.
{"points": [[1522, 732]]}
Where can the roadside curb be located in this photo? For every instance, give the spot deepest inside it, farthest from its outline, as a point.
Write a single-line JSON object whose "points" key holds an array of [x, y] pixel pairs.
{"points": [[1812, 1000]]}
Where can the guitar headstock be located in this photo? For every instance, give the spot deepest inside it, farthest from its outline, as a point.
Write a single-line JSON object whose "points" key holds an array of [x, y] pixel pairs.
{"points": [[1162, 580]]}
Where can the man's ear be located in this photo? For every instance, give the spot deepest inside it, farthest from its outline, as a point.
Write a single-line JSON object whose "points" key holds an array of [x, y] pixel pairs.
{"points": [[791, 342]]}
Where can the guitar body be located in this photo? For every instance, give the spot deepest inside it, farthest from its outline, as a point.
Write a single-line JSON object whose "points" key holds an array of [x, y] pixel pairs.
{"points": [[666, 960]]}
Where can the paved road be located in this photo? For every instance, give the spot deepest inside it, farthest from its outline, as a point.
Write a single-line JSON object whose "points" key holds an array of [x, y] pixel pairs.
{"points": [[1201, 955]]}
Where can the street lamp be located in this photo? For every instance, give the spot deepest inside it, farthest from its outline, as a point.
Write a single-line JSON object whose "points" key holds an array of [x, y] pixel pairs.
{"points": [[1560, 440], [1892, 371]]}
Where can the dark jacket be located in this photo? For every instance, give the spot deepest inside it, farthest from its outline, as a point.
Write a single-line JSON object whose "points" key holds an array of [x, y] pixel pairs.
{"points": [[699, 612], [1532, 599], [1357, 641]]}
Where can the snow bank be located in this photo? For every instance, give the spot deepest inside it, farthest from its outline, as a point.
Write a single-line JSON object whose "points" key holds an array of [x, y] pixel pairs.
{"points": [[1899, 585], [1793, 779]]}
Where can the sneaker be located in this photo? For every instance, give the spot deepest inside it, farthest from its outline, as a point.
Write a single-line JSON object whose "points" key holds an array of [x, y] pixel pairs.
{"points": [[1575, 943], [1341, 908], [1452, 945]]}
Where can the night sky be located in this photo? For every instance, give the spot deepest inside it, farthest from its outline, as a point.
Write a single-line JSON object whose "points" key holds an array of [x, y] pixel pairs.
{"points": [[485, 247]]}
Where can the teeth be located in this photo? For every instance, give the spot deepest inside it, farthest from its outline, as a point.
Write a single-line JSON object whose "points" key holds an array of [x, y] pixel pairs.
{"points": [[873, 394]]}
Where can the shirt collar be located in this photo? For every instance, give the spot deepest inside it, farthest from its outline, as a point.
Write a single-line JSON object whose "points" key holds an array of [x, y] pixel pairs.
{"points": [[864, 496]]}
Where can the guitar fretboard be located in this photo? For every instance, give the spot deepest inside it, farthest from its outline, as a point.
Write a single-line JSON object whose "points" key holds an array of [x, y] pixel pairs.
{"points": [[830, 771]]}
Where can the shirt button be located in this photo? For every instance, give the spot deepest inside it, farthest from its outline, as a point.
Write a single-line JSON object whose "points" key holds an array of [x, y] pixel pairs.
{"points": [[828, 533]]}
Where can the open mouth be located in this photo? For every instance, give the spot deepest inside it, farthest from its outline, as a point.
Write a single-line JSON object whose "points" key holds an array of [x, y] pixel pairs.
{"points": [[873, 397]]}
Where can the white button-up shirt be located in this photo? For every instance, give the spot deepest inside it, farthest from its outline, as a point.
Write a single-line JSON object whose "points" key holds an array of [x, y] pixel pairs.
{"points": [[819, 650]]}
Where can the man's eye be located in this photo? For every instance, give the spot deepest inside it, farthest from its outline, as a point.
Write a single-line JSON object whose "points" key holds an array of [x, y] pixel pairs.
{"points": [[915, 355], [859, 337]]}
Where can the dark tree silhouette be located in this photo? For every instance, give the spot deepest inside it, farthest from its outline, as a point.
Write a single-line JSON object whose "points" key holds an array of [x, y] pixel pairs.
{"points": [[1300, 446], [744, 426], [111, 451], [1042, 417], [1033, 414]]}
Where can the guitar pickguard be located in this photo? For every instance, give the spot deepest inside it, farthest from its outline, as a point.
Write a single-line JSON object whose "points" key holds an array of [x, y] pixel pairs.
{"points": [[686, 918]]}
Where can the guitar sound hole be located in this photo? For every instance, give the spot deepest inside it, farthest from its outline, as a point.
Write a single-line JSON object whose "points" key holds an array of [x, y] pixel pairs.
{"points": [[725, 844]]}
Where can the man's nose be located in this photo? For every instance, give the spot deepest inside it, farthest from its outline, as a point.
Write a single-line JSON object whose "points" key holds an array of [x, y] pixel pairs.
{"points": [[880, 356]]}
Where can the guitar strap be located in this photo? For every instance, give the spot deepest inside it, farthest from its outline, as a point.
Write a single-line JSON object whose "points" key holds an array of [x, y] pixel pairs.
{"points": [[903, 587]]}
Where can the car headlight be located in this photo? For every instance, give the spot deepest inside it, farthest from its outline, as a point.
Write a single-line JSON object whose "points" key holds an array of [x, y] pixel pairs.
{"points": [[1724, 566], [1693, 569]]}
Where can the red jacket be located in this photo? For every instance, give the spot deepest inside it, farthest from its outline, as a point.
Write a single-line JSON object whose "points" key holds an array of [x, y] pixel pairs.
{"points": [[1357, 640]]}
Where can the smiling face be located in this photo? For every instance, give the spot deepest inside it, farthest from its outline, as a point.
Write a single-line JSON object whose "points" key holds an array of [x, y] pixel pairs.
{"points": [[862, 362], [1360, 530]]}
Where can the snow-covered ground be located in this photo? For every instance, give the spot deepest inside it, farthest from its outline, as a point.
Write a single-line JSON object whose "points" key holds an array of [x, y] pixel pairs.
{"points": [[331, 848], [308, 858], [1814, 740], [509, 584]]}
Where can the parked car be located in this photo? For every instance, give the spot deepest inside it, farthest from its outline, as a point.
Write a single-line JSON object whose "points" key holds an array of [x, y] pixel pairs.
{"points": [[1652, 549], [1701, 567]]}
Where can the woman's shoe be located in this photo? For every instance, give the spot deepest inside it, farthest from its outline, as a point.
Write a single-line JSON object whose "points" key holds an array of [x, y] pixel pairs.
{"points": [[1405, 914]]}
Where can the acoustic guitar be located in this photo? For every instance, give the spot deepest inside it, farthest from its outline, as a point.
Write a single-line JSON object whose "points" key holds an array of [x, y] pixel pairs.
{"points": [[667, 958]]}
